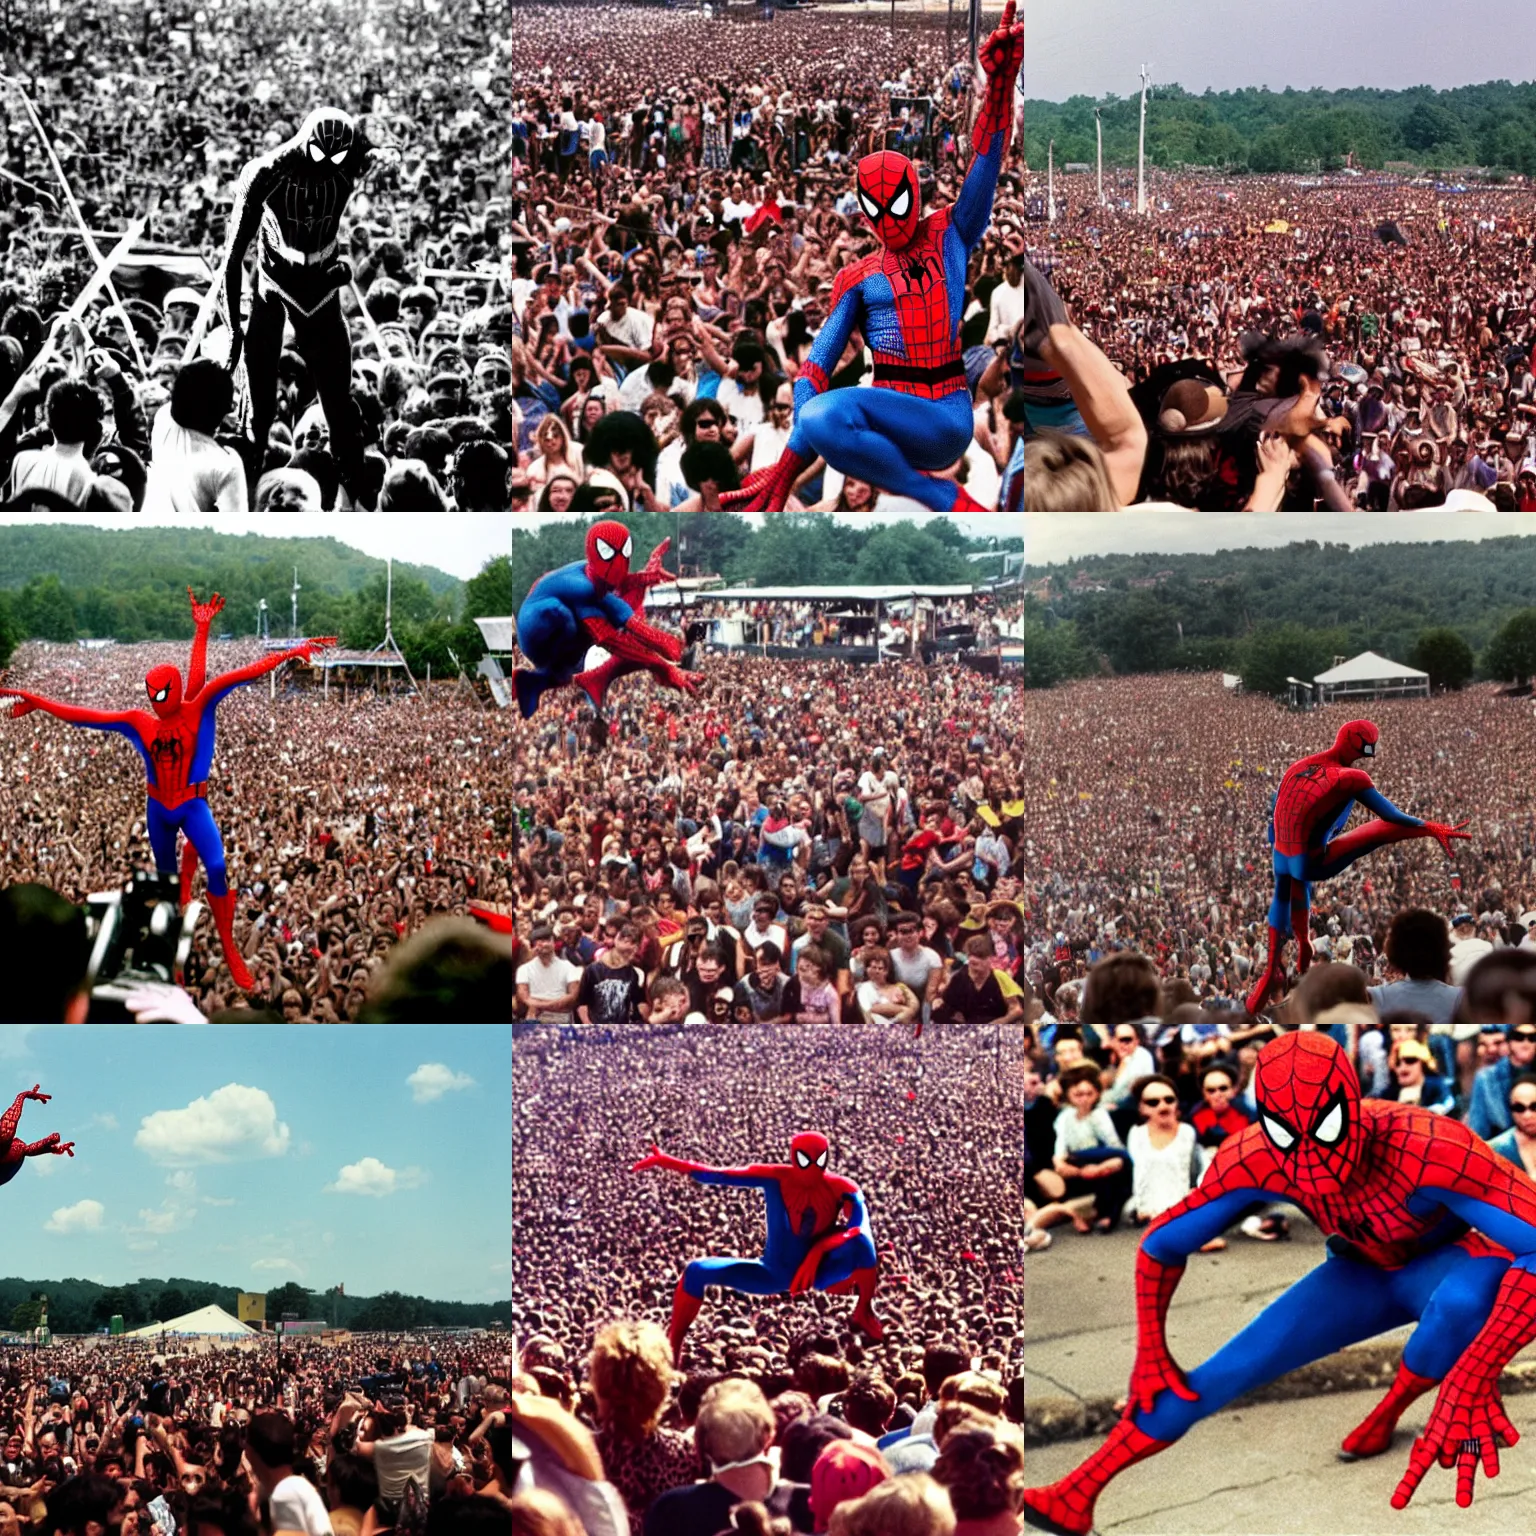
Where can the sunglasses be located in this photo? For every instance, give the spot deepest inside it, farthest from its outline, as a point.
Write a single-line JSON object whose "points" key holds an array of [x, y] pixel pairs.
{"points": [[1218, 1087], [1125, 1040], [1159, 1102], [1526, 1035], [1523, 1109]]}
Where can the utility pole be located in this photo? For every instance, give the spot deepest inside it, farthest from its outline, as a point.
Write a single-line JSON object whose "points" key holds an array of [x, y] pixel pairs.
{"points": [[294, 598], [1141, 149], [1050, 181], [1098, 125]]}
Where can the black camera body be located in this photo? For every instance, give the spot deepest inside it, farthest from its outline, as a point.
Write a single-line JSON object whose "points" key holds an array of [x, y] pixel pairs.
{"points": [[138, 934]]}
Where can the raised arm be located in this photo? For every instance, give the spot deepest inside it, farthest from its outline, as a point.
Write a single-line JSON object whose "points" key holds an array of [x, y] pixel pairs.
{"points": [[202, 617], [1001, 57], [226, 681]]}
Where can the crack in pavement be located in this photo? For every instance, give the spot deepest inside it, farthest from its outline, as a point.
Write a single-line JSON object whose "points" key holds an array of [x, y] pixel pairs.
{"points": [[1166, 1509], [1061, 1386]]}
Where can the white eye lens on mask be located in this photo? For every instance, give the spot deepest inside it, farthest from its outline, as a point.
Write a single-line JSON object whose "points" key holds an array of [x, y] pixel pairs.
{"points": [[802, 1160], [1331, 1126], [1278, 1134], [316, 153], [821, 1162], [605, 549], [629, 548], [870, 210], [901, 202], [339, 159]]}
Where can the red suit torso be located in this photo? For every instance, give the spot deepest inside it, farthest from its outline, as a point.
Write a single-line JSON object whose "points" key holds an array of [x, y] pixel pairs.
{"points": [[1313, 793]]}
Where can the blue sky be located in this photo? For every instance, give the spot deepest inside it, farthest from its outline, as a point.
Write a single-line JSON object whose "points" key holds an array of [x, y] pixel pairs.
{"points": [[1091, 47], [375, 1157]]}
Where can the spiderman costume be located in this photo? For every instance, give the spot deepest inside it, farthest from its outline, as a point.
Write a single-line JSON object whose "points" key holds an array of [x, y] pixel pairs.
{"points": [[294, 197], [1424, 1224], [1310, 808], [596, 601], [176, 743], [805, 1247], [907, 298], [13, 1152]]}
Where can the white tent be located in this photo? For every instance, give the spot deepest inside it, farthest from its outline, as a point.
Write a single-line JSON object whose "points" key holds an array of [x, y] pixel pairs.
{"points": [[206, 1322], [1369, 676]]}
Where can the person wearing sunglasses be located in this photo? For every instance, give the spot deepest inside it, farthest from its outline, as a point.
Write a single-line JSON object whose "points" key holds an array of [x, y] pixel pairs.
{"points": [[1414, 1081], [1165, 1159], [1518, 1143], [1488, 1108]]}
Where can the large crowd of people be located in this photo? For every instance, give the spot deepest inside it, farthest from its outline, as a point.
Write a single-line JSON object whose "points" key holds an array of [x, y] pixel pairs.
{"points": [[358, 829], [1146, 930], [406, 1432], [158, 122], [788, 903], [684, 201]]}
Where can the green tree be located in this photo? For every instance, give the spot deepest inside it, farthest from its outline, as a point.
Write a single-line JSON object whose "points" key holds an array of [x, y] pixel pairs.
{"points": [[173, 1303], [1277, 651], [1511, 654], [904, 552], [45, 610], [414, 602], [389, 1312], [1445, 656], [1055, 653], [10, 637], [290, 1297], [1430, 127], [26, 1315]]}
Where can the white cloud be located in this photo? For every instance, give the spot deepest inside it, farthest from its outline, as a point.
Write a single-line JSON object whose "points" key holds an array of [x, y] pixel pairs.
{"points": [[13, 1040], [214, 1200], [82, 1216], [108, 1122], [371, 1177], [233, 1123], [431, 1080], [166, 1219], [277, 1265], [183, 1179]]}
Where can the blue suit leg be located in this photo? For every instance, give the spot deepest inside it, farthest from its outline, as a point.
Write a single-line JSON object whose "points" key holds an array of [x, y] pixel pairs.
{"points": [[846, 1261], [1451, 1293], [549, 635], [749, 1275], [1338, 1303], [162, 836], [888, 439], [203, 833]]}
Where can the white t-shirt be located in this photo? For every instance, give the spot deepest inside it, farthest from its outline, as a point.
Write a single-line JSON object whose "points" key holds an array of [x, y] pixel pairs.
{"points": [[746, 410], [634, 330], [297, 1506], [1005, 311], [401, 1459], [190, 472], [768, 443], [548, 983], [1163, 1175]]}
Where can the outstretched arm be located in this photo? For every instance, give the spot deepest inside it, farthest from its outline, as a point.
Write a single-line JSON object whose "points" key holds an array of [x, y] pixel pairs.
{"points": [[226, 681], [757, 1176], [844, 313], [202, 617], [71, 714], [1001, 57], [1373, 800]]}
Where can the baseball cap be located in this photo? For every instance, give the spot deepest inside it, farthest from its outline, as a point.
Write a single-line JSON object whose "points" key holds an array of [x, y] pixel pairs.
{"points": [[1413, 1050], [844, 1470]]}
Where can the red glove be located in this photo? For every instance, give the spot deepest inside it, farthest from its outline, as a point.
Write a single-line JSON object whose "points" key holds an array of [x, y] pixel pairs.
{"points": [[308, 648], [656, 1158], [203, 613], [767, 490], [1154, 1370], [23, 705], [1442, 834], [1466, 1426]]}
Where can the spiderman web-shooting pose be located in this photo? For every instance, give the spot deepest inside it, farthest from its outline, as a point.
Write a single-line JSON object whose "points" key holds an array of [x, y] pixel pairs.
{"points": [[13, 1150], [807, 1245], [1314, 800], [176, 742], [293, 197], [908, 299], [1425, 1225]]}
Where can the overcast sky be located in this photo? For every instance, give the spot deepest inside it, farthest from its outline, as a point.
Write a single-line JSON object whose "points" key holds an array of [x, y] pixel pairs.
{"points": [[1091, 47], [457, 542], [1049, 540]]}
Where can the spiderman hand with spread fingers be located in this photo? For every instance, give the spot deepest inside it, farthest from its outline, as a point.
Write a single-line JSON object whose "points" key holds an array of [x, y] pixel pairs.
{"points": [[907, 298], [14, 1151], [1314, 800], [597, 601], [176, 742], [807, 1245], [1425, 1225]]}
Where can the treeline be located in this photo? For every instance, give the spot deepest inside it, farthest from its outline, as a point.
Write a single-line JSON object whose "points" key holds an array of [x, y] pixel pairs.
{"points": [[1256, 129], [83, 1306], [1454, 610], [790, 549], [65, 584]]}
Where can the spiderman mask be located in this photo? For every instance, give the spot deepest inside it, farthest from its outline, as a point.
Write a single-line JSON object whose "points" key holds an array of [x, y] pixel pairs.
{"points": [[1355, 740], [163, 685], [1309, 1105], [887, 194], [328, 134], [609, 547]]}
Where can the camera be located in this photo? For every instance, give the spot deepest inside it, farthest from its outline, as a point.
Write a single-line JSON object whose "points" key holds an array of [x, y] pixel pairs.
{"points": [[138, 934]]}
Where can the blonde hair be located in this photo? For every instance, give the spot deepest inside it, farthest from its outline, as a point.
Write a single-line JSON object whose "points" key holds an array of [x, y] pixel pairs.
{"points": [[911, 1505], [982, 1466], [631, 1376], [735, 1422], [1065, 473], [537, 1512]]}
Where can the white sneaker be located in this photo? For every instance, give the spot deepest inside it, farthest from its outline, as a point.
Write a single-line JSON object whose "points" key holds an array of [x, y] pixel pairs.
{"points": [[1034, 1241]]}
